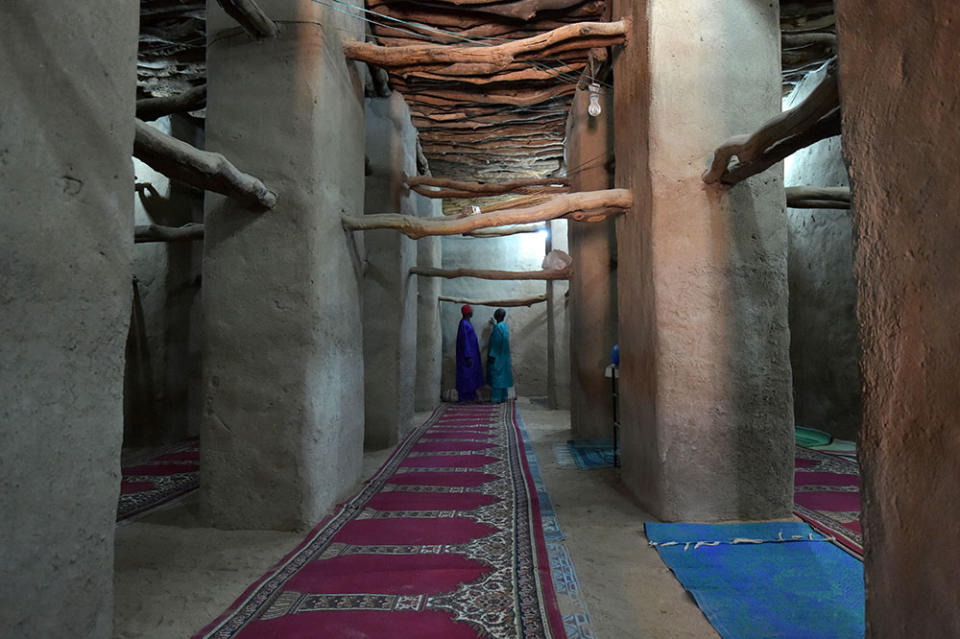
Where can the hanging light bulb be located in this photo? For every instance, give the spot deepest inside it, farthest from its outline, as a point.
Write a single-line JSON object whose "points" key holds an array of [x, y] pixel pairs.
{"points": [[594, 108]]}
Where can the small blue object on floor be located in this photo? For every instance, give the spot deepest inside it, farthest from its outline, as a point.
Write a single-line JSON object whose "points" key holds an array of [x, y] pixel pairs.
{"points": [[769, 579], [592, 453]]}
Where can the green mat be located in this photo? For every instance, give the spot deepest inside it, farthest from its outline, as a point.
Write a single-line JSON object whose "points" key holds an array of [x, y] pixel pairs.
{"points": [[842, 446], [810, 437]]}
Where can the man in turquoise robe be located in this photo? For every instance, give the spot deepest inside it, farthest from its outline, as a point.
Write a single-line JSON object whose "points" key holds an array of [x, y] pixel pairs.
{"points": [[499, 369]]}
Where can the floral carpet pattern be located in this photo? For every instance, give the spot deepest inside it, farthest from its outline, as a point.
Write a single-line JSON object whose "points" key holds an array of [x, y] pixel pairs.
{"points": [[157, 479], [827, 496], [445, 541]]}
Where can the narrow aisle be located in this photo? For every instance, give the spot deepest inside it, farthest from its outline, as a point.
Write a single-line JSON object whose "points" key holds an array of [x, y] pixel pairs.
{"points": [[444, 541], [628, 590]]}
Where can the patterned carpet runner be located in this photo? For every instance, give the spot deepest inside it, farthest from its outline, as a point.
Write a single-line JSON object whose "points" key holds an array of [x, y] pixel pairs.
{"points": [[827, 496], [159, 478], [444, 542]]}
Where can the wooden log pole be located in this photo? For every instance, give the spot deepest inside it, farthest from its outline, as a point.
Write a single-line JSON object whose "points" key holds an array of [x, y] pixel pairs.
{"points": [[586, 205], [250, 17], [815, 197], [192, 99], [814, 119], [483, 274], [157, 233], [211, 171], [508, 230], [529, 301], [447, 60], [446, 188]]}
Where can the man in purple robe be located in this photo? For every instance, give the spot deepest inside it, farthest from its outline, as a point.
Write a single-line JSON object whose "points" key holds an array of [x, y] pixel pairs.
{"points": [[469, 370]]}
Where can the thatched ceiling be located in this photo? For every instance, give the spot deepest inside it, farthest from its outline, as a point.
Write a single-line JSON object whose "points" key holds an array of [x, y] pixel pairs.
{"points": [[173, 43], [471, 127]]}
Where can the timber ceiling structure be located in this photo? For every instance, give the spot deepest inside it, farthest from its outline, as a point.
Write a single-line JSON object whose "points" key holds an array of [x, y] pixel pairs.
{"points": [[475, 123]]}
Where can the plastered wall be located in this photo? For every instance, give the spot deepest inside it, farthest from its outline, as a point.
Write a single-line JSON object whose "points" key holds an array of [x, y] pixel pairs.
{"points": [[162, 387], [824, 352]]}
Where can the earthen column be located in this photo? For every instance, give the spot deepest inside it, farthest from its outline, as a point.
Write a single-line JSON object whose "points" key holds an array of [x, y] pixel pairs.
{"points": [[68, 72], [702, 293], [389, 291], [593, 286], [283, 362], [429, 333], [900, 89]]}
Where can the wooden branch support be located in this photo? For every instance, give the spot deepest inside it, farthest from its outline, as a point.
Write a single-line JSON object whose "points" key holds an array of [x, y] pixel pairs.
{"points": [[456, 189], [508, 230], [544, 274], [157, 233], [814, 119], [529, 301], [155, 108], [211, 171], [585, 205], [251, 17], [817, 197], [455, 60]]}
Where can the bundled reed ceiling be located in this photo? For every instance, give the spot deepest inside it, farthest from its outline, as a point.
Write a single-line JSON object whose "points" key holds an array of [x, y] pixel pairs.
{"points": [[490, 123], [173, 47], [491, 127], [809, 38]]}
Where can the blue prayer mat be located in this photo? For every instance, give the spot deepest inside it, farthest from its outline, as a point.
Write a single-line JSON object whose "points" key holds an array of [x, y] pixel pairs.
{"points": [[592, 453], [769, 579]]}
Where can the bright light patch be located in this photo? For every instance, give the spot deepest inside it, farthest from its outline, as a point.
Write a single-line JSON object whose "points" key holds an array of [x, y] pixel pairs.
{"points": [[532, 245]]}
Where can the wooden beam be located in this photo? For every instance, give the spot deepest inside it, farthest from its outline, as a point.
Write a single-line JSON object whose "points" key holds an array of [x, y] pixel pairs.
{"points": [[477, 189], [530, 74], [587, 206], [446, 59], [517, 10], [251, 17], [512, 97], [467, 16], [518, 202], [529, 301], [205, 170], [505, 231], [157, 233], [814, 119], [482, 274], [818, 197], [190, 100]]}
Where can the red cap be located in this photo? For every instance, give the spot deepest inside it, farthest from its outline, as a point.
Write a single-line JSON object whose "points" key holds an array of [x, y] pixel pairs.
{"points": [[466, 310]]}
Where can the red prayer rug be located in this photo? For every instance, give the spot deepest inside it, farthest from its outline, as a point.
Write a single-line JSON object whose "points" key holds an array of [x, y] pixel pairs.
{"points": [[158, 478], [444, 542], [827, 496]]}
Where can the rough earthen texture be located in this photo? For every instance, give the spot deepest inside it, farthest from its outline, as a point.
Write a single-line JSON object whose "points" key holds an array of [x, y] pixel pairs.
{"points": [[558, 349], [283, 360], [707, 407], [824, 350], [389, 291], [901, 101], [68, 74], [593, 287], [162, 384], [429, 331]]}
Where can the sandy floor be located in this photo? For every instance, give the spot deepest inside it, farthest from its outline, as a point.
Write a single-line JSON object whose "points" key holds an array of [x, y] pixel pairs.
{"points": [[628, 590], [173, 575]]}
